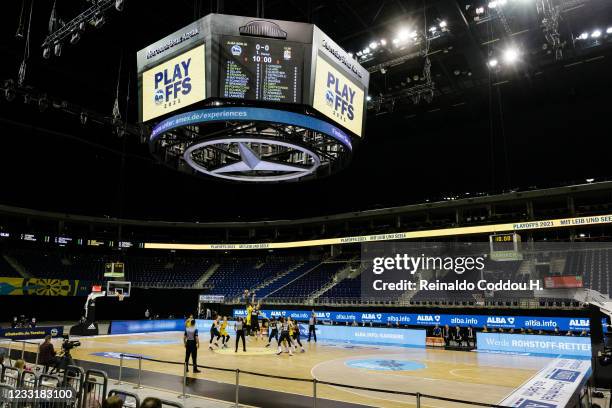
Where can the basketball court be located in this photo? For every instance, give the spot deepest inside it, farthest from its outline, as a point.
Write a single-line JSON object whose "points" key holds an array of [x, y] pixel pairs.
{"points": [[474, 376]]}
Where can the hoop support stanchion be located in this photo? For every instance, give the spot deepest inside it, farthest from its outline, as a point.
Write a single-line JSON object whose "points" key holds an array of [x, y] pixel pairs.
{"points": [[23, 350], [36, 359], [237, 386], [9, 351], [184, 394], [314, 393], [139, 387], [418, 398], [120, 369]]}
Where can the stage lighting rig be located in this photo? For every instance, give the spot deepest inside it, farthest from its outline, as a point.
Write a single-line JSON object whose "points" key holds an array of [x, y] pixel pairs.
{"points": [[72, 31]]}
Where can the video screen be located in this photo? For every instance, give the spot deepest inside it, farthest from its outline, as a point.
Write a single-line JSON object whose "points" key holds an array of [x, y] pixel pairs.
{"points": [[261, 69], [338, 97]]}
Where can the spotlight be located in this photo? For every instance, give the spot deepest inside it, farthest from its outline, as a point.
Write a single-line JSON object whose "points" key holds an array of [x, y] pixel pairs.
{"points": [[609, 30], [383, 42], [75, 37], [366, 50], [97, 20], [596, 34], [492, 63], [57, 49], [511, 55], [443, 24], [433, 29], [395, 41], [46, 52], [383, 71], [373, 45], [368, 98], [403, 34], [119, 5], [480, 10], [583, 36]]}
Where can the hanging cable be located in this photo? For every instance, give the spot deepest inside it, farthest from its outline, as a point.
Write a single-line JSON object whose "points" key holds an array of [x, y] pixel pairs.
{"points": [[21, 26], [26, 51]]}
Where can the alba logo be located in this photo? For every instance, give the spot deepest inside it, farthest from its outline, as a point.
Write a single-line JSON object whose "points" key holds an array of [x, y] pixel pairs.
{"points": [[579, 322], [236, 50], [368, 316], [499, 320], [426, 318]]}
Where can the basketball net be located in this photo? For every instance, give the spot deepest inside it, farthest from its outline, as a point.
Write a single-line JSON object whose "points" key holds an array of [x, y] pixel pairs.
{"points": [[120, 296]]}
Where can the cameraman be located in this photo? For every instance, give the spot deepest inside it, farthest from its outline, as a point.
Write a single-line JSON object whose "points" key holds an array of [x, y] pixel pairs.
{"points": [[46, 354]]}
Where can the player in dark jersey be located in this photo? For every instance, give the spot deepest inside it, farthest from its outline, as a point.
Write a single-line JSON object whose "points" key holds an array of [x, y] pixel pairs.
{"points": [[284, 336], [214, 331], [296, 334], [273, 332]]}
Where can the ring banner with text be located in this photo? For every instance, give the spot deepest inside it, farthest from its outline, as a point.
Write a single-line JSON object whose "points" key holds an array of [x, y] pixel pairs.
{"points": [[473, 273]]}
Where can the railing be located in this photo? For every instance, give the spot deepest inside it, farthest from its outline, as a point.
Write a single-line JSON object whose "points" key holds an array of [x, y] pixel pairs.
{"points": [[418, 397], [76, 388]]}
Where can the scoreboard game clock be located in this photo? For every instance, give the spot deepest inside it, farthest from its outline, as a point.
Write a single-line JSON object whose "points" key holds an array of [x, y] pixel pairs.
{"points": [[250, 100], [505, 247]]}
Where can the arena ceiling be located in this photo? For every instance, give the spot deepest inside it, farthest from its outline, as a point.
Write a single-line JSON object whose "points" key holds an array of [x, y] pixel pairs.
{"points": [[539, 121]]}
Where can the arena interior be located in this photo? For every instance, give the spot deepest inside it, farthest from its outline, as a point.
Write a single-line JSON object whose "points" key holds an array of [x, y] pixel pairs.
{"points": [[311, 203]]}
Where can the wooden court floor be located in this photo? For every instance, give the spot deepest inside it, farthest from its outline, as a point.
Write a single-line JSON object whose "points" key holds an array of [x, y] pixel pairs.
{"points": [[470, 376]]}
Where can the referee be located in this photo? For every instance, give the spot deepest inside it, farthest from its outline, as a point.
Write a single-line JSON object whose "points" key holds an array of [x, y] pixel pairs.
{"points": [[192, 343], [312, 322]]}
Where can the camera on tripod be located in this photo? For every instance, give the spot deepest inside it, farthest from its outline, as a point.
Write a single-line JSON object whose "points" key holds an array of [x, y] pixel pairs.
{"points": [[68, 345]]}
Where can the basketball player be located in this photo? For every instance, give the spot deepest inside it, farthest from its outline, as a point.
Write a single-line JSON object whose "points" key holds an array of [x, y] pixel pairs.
{"points": [[296, 334], [223, 330], [192, 343], [255, 322], [284, 336], [239, 327], [214, 331], [247, 323], [273, 329]]}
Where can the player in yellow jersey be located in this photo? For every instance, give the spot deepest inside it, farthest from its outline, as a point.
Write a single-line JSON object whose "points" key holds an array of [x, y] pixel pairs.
{"points": [[223, 330], [247, 320]]}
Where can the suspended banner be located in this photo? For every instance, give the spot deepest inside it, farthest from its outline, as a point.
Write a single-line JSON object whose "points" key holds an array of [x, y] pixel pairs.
{"points": [[443, 232]]}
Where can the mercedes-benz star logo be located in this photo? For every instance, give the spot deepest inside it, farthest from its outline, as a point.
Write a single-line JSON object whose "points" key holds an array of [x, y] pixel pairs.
{"points": [[251, 159]]}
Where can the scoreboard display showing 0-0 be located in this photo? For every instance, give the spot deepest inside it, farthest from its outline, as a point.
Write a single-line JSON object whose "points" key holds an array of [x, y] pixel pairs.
{"points": [[251, 100], [261, 69]]}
